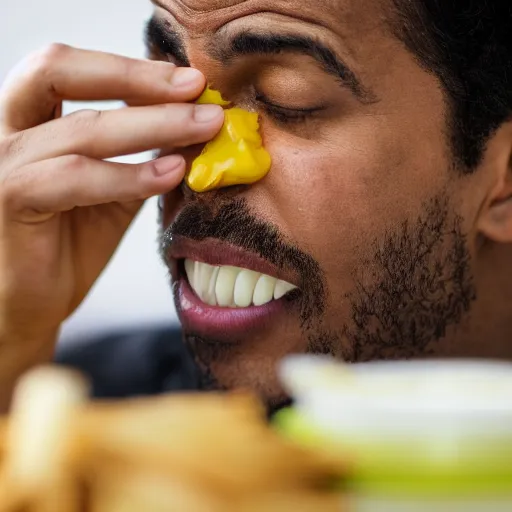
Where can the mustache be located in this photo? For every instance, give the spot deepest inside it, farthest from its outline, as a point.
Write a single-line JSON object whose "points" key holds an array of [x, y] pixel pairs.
{"points": [[233, 222]]}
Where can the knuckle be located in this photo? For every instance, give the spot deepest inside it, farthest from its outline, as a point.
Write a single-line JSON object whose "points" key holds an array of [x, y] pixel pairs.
{"points": [[43, 61], [127, 69], [139, 175], [177, 113], [75, 162], [164, 69], [131, 71], [54, 51], [140, 186]]}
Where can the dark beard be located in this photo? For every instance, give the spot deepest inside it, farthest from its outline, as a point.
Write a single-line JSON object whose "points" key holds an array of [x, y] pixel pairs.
{"points": [[231, 220], [208, 351], [417, 283]]}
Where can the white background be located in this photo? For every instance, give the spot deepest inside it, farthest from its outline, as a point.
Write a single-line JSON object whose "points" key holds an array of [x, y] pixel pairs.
{"points": [[134, 290]]}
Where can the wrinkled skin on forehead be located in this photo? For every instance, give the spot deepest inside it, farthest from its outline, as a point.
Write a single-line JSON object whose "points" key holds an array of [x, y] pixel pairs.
{"points": [[363, 194]]}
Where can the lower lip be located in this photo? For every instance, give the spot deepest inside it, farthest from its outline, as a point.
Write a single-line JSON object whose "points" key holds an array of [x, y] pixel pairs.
{"points": [[222, 323]]}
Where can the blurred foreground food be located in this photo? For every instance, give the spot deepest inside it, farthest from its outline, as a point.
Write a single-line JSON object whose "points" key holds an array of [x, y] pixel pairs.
{"points": [[417, 437], [421, 436], [189, 453]]}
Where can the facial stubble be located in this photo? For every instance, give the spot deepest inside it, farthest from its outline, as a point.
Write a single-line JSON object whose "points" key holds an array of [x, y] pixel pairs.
{"points": [[415, 283]]}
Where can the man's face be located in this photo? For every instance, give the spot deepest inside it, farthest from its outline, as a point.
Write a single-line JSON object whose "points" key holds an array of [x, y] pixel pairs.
{"points": [[362, 210]]}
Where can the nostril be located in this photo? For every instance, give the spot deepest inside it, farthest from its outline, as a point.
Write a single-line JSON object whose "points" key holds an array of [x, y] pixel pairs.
{"points": [[186, 190]]}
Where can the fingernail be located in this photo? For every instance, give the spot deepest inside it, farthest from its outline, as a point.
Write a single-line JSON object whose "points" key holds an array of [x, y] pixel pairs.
{"points": [[167, 164], [207, 113], [185, 76]]}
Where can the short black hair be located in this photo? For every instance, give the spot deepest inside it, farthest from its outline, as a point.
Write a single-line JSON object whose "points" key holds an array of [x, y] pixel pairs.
{"points": [[467, 44]]}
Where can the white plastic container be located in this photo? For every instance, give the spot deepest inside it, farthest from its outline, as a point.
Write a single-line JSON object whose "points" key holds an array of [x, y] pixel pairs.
{"points": [[418, 436]]}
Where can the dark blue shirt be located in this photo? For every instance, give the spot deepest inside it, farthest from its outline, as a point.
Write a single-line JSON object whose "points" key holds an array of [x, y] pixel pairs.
{"points": [[135, 363]]}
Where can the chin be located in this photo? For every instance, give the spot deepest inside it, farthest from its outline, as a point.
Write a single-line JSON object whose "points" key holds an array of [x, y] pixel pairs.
{"points": [[238, 367]]}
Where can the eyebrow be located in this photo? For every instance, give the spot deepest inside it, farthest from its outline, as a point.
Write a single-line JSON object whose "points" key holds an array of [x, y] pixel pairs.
{"points": [[162, 37], [247, 43]]}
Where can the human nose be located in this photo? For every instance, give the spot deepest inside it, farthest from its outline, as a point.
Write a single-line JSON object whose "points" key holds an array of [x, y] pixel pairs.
{"points": [[236, 156]]}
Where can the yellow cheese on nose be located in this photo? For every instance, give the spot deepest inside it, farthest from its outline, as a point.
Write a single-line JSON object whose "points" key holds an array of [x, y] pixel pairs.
{"points": [[236, 156]]}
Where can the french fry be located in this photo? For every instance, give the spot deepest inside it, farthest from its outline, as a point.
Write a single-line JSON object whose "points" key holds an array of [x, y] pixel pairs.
{"points": [[189, 453], [127, 489], [234, 446], [36, 471]]}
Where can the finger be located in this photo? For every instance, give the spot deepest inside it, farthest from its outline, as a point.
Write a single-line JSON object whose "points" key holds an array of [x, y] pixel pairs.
{"points": [[64, 183], [33, 92], [117, 132]]}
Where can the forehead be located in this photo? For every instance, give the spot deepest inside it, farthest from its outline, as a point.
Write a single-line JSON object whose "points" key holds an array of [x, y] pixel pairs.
{"points": [[353, 15], [211, 5]]}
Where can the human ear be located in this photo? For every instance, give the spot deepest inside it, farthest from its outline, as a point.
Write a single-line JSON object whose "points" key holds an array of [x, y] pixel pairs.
{"points": [[495, 220]]}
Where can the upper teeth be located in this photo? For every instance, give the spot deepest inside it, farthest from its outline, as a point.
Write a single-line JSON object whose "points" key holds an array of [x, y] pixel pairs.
{"points": [[227, 286]]}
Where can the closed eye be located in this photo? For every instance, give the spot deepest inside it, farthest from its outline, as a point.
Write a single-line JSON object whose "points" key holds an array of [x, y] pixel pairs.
{"points": [[287, 114]]}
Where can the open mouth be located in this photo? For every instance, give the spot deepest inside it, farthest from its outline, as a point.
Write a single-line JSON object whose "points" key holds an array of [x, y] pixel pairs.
{"points": [[224, 292], [234, 287]]}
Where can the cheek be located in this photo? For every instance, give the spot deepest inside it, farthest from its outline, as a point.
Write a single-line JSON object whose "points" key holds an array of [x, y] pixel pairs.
{"points": [[335, 199], [319, 198]]}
